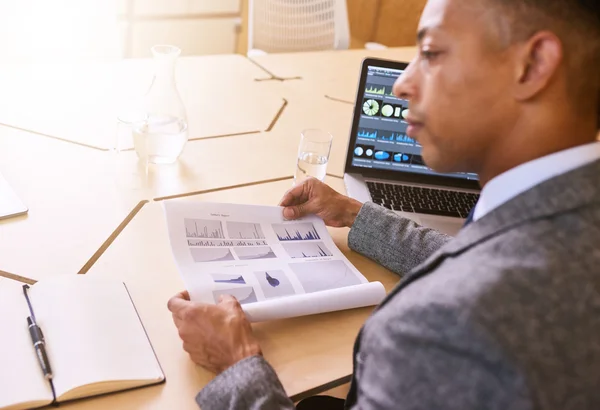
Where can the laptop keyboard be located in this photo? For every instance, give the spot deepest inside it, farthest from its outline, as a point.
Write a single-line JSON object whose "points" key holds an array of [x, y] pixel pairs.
{"points": [[422, 200]]}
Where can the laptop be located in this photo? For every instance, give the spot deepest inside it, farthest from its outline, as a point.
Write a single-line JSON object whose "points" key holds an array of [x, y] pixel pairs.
{"points": [[384, 165], [10, 204]]}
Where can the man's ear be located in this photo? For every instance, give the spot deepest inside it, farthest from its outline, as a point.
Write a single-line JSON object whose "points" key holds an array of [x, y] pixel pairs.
{"points": [[537, 63], [598, 125]]}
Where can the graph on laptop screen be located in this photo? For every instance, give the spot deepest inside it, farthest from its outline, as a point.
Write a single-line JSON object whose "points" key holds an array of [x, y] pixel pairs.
{"points": [[381, 140]]}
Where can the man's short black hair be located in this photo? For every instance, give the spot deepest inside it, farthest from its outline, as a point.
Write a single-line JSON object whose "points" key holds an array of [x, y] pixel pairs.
{"points": [[575, 22], [565, 17]]}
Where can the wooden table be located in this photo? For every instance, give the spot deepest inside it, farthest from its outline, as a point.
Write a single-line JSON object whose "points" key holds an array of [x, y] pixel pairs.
{"points": [[80, 102], [77, 196], [320, 88], [74, 205], [297, 348], [94, 211], [330, 73], [307, 110]]}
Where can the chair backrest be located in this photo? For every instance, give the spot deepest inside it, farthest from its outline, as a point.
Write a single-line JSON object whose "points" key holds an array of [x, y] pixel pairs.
{"points": [[297, 25]]}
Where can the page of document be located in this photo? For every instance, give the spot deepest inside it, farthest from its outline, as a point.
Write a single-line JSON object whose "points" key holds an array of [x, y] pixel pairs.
{"points": [[275, 268], [22, 383], [95, 340], [10, 204]]}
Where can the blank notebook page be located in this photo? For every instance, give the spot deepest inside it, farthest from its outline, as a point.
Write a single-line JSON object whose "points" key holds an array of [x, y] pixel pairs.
{"points": [[93, 335]]}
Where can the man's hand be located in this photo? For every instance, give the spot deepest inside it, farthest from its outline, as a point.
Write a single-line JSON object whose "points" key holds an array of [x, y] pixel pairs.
{"points": [[215, 336], [314, 197]]}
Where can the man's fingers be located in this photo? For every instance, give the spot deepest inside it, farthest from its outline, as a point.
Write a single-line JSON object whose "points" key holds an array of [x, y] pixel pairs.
{"points": [[288, 199], [178, 322], [296, 195], [298, 211], [184, 294], [292, 212], [228, 300], [179, 302]]}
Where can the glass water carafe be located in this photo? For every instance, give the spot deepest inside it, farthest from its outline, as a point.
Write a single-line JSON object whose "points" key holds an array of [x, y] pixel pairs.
{"points": [[161, 137]]}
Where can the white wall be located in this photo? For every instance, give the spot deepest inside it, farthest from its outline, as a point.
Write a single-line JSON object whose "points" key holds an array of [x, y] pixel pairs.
{"points": [[57, 30], [196, 26]]}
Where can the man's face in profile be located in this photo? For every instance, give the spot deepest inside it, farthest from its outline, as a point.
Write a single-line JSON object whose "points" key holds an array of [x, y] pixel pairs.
{"points": [[459, 85]]}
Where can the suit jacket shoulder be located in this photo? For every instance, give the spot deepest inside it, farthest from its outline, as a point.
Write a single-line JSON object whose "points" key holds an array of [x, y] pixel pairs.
{"points": [[515, 297]]}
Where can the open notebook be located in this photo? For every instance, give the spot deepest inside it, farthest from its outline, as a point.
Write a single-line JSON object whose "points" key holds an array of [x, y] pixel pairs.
{"points": [[95, 342]]}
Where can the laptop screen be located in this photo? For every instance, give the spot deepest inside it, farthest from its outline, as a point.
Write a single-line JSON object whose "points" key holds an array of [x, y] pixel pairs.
{"points": [[380, 141]]}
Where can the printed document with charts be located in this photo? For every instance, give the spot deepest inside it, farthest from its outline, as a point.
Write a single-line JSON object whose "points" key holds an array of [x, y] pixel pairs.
{"points": [[274, 267]]}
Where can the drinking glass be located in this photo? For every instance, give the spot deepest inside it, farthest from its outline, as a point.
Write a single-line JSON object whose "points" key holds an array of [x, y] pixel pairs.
{"points": [[313, 155], [126, 123]]}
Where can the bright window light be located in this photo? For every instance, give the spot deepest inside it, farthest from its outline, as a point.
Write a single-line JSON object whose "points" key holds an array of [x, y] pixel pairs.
{"points": [[57, 30]]}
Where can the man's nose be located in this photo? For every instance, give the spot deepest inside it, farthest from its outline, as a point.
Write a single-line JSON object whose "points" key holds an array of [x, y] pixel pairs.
{"points": [[404, 86]]}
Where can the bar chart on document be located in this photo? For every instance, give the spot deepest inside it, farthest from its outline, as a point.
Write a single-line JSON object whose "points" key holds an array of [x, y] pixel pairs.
{"points": [[203, 228], [245, 230], [298, 231]]}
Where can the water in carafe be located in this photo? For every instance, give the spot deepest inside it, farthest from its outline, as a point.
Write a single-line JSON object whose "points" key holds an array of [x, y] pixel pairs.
{"points": [[161, 138]]}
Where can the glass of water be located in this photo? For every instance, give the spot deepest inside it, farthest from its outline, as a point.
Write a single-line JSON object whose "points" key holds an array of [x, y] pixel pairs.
{"points": [[313, 155], [127, 121]]}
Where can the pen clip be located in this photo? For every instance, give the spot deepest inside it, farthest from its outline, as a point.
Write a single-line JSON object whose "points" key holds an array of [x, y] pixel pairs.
{"points": [[25, 289]]}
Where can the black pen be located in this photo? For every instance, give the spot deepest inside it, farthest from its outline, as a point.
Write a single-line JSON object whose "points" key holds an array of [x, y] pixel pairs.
{"points": [[37, 337]]}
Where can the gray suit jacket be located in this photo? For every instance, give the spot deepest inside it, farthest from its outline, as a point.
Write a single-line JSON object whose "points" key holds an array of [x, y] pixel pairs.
{"points": [[504, 316]]}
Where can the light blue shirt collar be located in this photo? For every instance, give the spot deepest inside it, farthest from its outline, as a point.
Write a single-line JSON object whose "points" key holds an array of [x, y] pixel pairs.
{"points": [[513, 182]]}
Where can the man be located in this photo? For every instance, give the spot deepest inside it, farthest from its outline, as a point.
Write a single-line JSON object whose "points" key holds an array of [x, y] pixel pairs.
{"points": [[507, 314]]}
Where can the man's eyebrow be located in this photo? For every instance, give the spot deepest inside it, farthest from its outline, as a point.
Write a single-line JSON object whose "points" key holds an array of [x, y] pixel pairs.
{"points": [[429, 29], [421, 34]]}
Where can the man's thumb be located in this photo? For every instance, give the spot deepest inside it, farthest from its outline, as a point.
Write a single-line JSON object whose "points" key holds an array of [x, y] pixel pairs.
{"points": [[297, 211], [227, 299]]}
